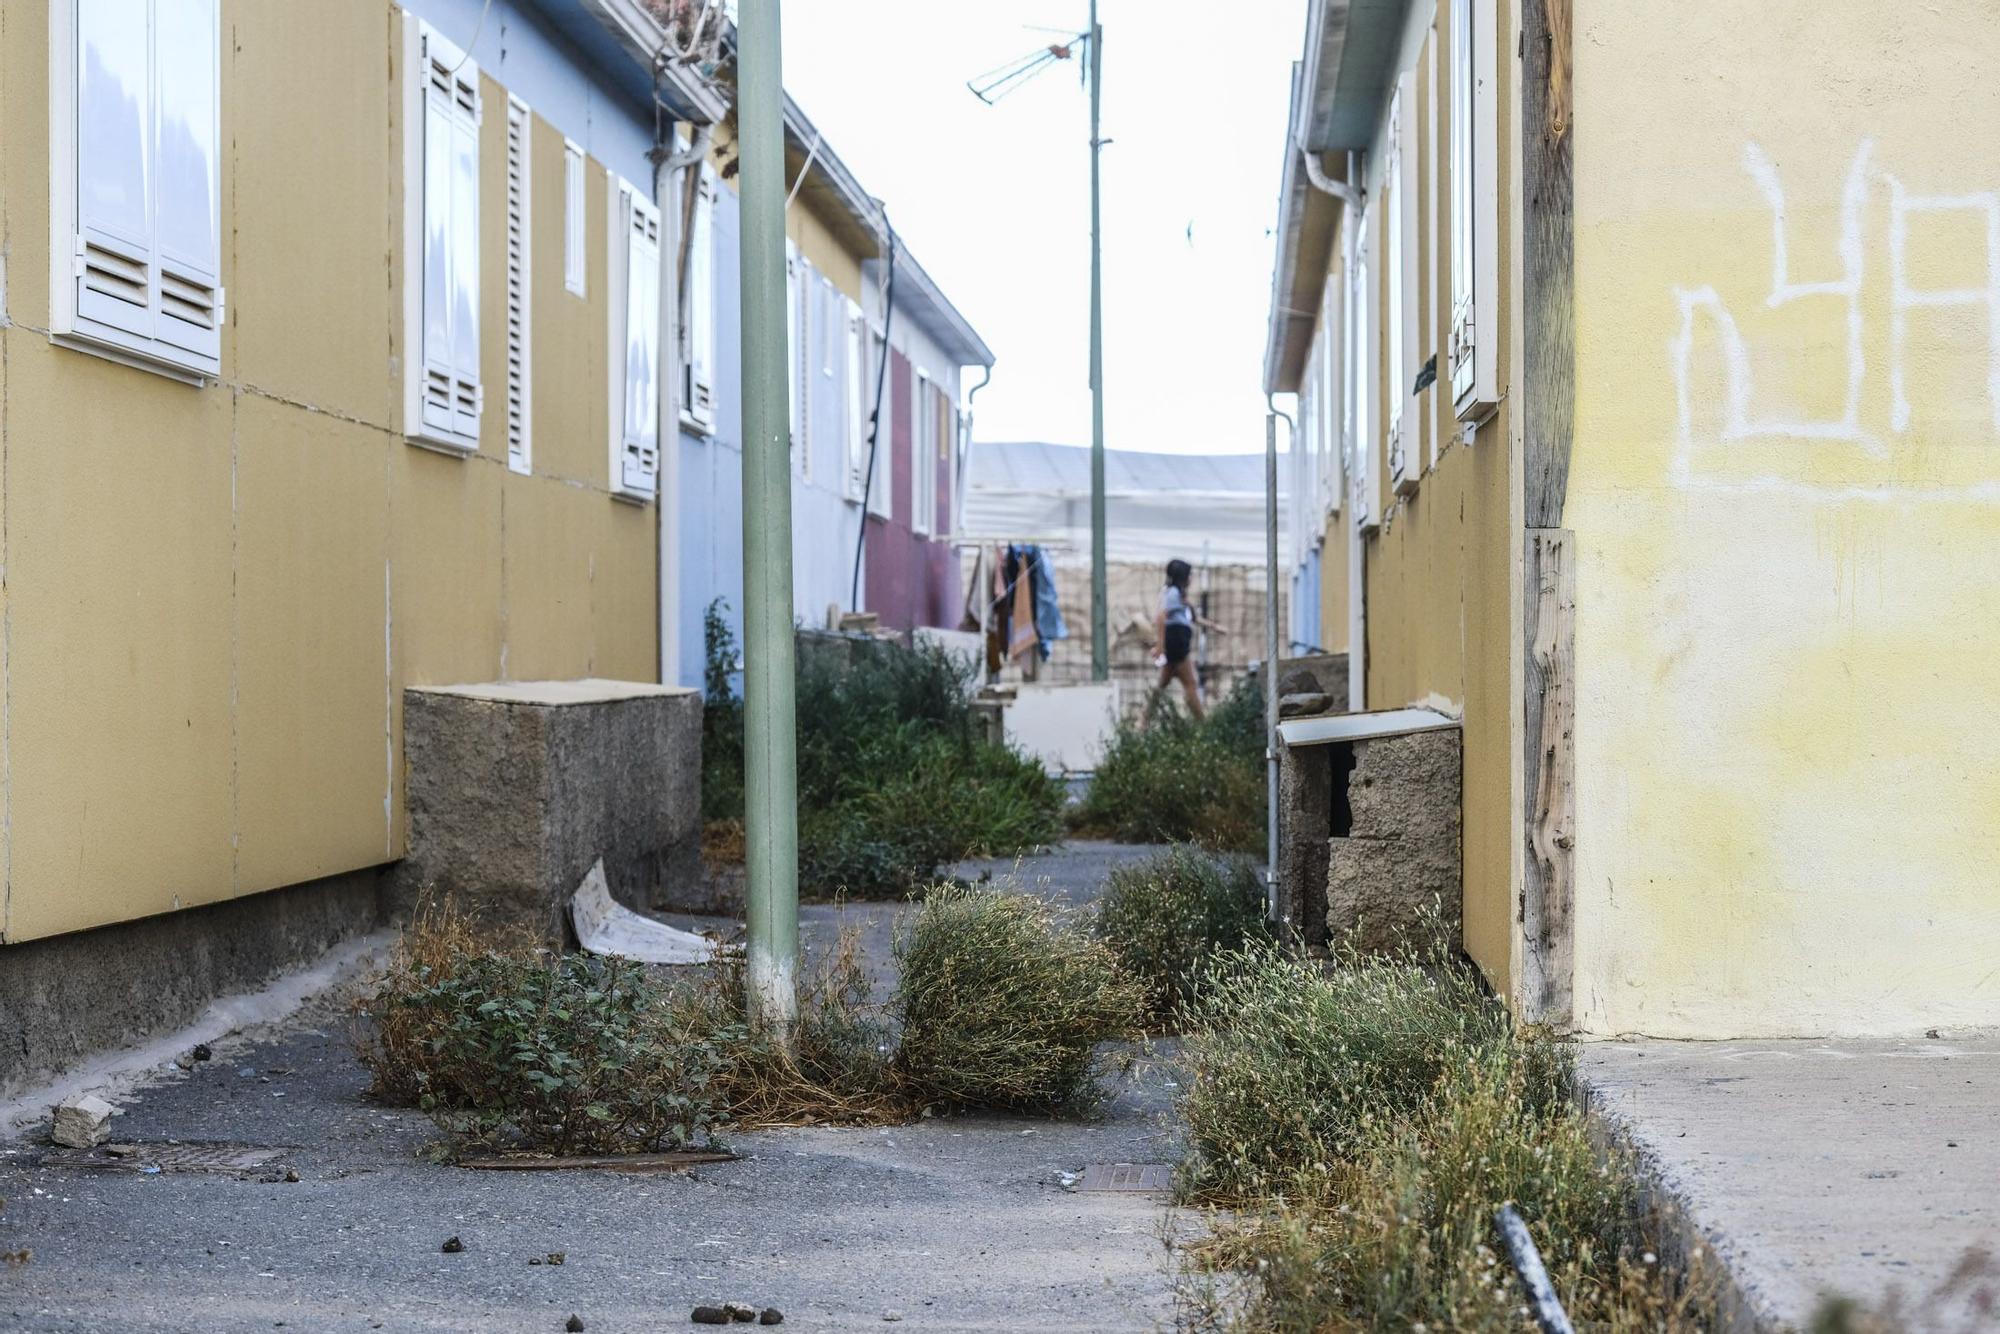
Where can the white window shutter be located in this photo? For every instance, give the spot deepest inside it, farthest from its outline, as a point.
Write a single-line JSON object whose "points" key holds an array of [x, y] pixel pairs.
{"points": [[574, 253], [114, 140], [465, 254], [520, 289], [451, 390], [640, 455], [700, 389], [857, 400], [187, 233]]}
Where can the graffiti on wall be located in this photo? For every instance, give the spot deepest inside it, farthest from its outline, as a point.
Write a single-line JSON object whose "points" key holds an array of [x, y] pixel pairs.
{"points": [[1740, 415]]}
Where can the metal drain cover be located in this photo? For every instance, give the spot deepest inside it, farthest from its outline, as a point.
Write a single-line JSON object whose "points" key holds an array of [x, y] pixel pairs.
{"points": [[1127, 1176], [172, 1156]]}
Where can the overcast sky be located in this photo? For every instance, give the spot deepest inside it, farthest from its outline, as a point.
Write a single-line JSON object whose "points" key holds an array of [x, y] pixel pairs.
{"points": [[995, 201]]}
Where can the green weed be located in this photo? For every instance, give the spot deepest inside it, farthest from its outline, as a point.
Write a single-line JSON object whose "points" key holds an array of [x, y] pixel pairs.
{"points": [[1171, 918]]}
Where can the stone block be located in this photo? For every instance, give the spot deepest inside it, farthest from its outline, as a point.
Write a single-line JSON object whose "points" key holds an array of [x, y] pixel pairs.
{"points": [[1314, 674], [1405, 786], [515, 788], [1307, 803], [1398, 868]]}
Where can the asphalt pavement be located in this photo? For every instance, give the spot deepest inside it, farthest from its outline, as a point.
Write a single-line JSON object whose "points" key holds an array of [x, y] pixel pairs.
{"points": [[954, 1223]]}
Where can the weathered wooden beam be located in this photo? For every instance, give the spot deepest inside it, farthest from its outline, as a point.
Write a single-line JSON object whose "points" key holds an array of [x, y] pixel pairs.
{"points": [[1546, 909], [1549, 357]]}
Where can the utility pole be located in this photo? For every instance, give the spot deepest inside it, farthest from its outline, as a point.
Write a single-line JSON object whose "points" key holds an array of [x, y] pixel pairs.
{"points": [[770, 742], [1100, 617]]}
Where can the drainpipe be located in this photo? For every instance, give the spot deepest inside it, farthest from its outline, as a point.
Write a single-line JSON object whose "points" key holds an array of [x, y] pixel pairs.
{"points": [[770, 741], [674, 291], [965, 449], [1271, 415], [1353, 198]]}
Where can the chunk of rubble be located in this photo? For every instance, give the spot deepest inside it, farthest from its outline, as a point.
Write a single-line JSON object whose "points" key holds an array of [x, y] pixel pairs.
{"points": [[81, 1121]]}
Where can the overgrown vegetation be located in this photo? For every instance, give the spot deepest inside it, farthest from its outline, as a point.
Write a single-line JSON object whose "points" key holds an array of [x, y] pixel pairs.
{"points": [[1002, 1004], [1365, 1121], [1172, 918], [1171, 779], [896, 776]]}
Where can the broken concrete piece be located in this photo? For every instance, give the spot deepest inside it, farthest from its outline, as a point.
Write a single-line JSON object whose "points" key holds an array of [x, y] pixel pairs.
{"points": [[709, 1315], [741, 1311], [606, 926], [81, 1121], [1304, 705]]}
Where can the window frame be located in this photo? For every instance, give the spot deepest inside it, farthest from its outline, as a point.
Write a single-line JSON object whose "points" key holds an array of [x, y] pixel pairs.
{"points": [[1474, 340], [420, 41], [71, 325]]}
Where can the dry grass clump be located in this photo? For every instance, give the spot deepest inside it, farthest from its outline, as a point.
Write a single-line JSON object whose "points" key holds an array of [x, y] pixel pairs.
{"points": [[1002, 1004], [1172, 918], [509, 1046], [1291, 1065], [1367, 1129]]}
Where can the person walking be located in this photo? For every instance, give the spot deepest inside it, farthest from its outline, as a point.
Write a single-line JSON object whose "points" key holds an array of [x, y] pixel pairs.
{"points": [[1173, 636]]}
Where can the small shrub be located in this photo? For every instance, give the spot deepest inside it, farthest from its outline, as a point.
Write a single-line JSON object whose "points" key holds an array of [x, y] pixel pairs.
{"points": [[568, 1053], [1171, 918], [1003, 1006], [895, 774], [1176, 780], [513, 1047], [1291, 1064], [1366, 1121]]}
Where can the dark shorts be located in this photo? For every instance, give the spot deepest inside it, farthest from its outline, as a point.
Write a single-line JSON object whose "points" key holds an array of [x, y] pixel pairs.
{"points": [[1180, 640]]}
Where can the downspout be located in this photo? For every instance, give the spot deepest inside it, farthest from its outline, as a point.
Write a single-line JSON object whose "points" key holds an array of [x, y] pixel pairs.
{"points": [[965, 449], [674, 293], [1271, 415], [1353, 200]]}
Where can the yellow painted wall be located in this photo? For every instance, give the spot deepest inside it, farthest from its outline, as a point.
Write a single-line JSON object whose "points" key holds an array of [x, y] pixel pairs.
{"points": [[1788, 632], [213, 597], [1439, 587]]}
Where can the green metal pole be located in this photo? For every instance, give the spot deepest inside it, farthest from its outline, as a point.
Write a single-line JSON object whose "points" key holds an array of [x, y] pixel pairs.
{"points": [[1100, 619], [770, 744]]}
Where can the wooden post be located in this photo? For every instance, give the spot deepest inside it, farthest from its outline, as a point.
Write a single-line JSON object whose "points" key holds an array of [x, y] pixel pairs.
{"points": [[1548, 883], [1549, 551]]}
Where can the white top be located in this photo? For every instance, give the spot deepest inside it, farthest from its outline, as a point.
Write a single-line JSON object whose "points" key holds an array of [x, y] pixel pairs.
{"points": [[1175, 604]]}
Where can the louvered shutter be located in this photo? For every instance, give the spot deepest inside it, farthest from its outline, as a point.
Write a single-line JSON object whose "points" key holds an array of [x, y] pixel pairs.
{"points": [[114, 244], [146, 271], [520, 446], [793, 359], [640, 455], [700, 388], [451, 392], [573, 222], [186, 232], [857, 400]]}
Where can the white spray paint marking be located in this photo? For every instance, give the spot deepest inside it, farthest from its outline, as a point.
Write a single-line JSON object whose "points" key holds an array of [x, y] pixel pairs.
{"points": [[1739, 421], [1903, 298]]}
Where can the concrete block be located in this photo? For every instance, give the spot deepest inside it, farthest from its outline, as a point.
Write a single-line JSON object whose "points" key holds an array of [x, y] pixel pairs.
{"points": [[1314, 674], [515, 788], [1405, 786], [1398, 868], [81, 1121]]}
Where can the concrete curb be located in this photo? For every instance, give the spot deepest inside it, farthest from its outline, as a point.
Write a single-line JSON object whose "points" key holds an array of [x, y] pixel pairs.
{"points": [[1667, 1205], [242, 1014]]}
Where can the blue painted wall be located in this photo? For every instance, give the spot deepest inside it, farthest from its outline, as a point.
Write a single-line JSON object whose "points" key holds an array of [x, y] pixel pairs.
{"points": [[1304, 614], [540, 63]]}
